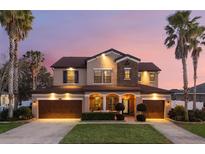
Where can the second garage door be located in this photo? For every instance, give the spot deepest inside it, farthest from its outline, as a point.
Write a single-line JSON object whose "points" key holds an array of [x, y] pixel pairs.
{"points": [[60, 108], [155, 108]]}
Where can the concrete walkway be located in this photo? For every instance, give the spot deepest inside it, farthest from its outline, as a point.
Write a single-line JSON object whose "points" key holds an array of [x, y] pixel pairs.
{"points": [[44, 131], [175, 133]]}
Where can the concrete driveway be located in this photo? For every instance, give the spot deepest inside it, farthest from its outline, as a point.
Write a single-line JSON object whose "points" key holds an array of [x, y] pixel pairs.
{"points": [[42, 131]]}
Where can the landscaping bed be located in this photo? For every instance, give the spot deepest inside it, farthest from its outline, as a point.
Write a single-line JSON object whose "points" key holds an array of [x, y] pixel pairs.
{"points": [[114, 134]]}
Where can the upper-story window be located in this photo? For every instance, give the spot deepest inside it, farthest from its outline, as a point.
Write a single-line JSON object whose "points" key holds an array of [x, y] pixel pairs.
{"points": [[152, 77], [102, 76], [139, 76], [70, 76], [127, 73]]}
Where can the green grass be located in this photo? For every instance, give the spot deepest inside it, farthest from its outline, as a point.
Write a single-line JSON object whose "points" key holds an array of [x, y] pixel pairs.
{"points": [[113, 133], [7, 126], [198, 129]]}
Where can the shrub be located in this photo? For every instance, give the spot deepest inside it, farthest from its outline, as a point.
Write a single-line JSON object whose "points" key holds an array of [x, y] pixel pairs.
{"points": [[192, 116], [141, 107], [4, 115], [199, 114], [120, 117], [141, 117], [98, 116], [179, 112], [119, 107], [171, 114], [23, 113]]}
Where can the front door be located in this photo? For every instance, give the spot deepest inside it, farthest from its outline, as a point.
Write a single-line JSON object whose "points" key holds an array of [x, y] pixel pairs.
{"points": [[126, 104]]}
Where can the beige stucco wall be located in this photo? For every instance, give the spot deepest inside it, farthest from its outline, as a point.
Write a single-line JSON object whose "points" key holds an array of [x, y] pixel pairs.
{"points": [[146, 80], [102, 61], [58, 77]]}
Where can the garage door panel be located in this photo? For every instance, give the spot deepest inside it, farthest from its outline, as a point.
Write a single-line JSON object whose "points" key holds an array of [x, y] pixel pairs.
{"points": [[155, 108], [60, 108]]}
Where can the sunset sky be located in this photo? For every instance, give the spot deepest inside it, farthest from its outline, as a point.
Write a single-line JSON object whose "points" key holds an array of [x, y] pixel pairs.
{"points": [[85, 33]]}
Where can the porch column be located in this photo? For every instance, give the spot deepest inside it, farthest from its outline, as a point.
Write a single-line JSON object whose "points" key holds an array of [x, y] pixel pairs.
{"points": [[104, 102], [120, 98]]}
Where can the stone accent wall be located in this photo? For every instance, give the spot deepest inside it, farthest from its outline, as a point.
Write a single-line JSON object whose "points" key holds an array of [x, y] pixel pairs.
{"points": [[133, 73]]}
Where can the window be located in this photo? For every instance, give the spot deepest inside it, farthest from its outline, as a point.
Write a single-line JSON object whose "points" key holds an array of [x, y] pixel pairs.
{"points": [[96, 103], [97, 76], [139, 76], [152, 77], [127, 74], [102, 76], [70, 76], [107, 76]]}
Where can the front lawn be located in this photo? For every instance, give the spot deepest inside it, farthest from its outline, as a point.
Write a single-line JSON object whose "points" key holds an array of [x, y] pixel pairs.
{"points": [[198, 129], [7, 126], [113, 133]]}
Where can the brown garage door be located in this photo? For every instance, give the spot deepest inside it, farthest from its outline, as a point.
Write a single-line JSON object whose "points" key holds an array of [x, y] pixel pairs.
{"points": [[60, 108], [155, 108]]}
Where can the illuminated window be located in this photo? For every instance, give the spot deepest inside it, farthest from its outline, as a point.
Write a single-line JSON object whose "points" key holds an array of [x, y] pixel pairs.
{"points": [[71, 76], [139, 76], [127, 74], [96, 103], [152, 76], [102, 76], [107, 76]]}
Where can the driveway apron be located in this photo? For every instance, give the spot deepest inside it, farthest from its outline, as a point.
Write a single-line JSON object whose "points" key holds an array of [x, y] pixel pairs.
{"points": [[175, 133], [42, 131]]}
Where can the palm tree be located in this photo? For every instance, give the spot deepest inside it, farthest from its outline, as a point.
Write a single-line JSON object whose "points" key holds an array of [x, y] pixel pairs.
{"points": [[177, 32], [34, 60], [24, 27], [10, 21], [197, 36]]}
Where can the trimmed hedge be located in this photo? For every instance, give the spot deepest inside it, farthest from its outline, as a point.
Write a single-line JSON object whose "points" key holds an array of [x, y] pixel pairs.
{"points": [[98, 116]]}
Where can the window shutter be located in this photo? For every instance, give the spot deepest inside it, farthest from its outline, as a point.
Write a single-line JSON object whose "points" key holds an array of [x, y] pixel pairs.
{"points": [[76, 76], [64, 76]]}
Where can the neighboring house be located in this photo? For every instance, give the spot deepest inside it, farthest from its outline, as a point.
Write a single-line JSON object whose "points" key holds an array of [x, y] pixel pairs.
{"points": [[97, 83], [4, 100], [178, 97]]}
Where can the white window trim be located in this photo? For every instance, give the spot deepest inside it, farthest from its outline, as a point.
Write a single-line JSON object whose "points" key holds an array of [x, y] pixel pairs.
{"points": [[127, 58]]}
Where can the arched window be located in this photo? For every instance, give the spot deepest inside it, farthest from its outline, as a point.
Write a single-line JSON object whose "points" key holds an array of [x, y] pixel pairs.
{"points": [[96, 102]]}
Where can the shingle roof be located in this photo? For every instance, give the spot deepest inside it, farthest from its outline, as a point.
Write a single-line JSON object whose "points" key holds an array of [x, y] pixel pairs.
{"points": [[76, 62], [80, 62], [99, 88], [148, 66]]}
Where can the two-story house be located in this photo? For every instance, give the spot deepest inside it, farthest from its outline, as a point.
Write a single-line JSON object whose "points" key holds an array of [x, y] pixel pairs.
{"points": [[97, 83]]}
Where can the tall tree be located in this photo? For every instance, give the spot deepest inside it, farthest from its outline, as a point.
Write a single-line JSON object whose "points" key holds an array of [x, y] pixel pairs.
{"points": [[197, 35], [10, 20], [24, 27], [35, 60], [177, 31]]}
